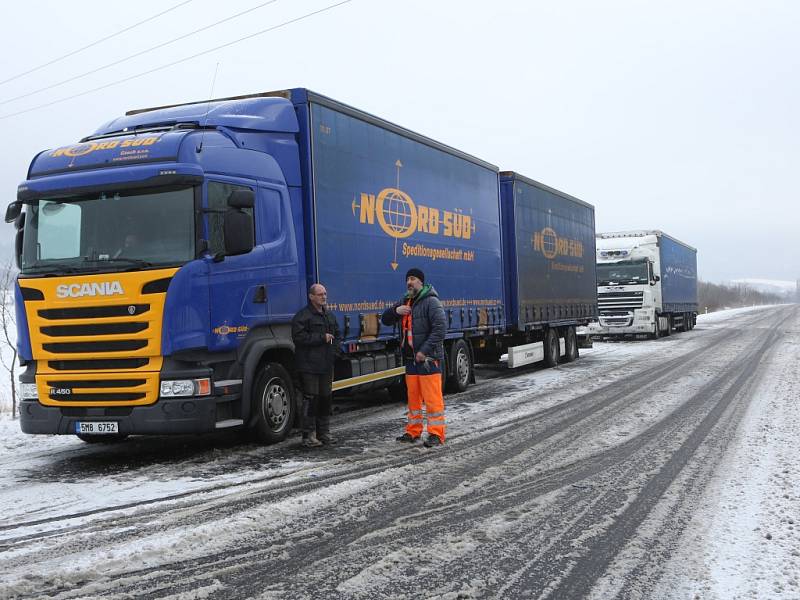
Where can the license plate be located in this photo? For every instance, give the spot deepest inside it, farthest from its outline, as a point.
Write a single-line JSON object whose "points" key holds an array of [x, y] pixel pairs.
{"points": [[96, 427]]}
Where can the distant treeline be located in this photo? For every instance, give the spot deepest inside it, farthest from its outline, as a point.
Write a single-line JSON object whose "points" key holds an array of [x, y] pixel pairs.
{"points": [[714, 296]]}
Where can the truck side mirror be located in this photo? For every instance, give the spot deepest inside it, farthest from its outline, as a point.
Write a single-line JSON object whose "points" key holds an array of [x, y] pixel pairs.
{"points": [[242, 199], [239, 231], [656, 279], [13, 211]]}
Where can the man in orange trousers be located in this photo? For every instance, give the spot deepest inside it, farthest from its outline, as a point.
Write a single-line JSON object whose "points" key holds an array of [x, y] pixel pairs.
{"points": [[423, 327]]}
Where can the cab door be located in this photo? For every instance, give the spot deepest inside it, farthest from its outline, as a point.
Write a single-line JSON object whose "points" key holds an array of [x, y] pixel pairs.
{"points": [[237, 284], [275, 232]]}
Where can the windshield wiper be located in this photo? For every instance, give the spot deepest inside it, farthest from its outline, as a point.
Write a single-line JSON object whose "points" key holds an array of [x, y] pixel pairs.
{"points": [[50, 268]]}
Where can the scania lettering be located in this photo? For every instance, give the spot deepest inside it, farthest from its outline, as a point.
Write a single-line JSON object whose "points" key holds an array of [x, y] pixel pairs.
{"points": [[646, 284], [78, 290], [162, 258]]}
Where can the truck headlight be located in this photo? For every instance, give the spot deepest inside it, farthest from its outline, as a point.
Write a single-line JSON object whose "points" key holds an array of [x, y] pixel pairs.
{"points": [[29, 391], [179, 388]]}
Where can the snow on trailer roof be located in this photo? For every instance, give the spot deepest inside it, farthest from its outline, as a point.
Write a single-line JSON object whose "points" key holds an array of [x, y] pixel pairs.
{"points": [[641, 233]]}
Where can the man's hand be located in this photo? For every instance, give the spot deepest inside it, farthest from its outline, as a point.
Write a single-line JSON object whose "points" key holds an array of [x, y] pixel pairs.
{"points": [[403, 309], [420, 357], [328, 338]]}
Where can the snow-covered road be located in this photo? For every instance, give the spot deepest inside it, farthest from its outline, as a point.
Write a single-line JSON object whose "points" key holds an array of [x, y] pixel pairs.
{"points": [[649, 469]]}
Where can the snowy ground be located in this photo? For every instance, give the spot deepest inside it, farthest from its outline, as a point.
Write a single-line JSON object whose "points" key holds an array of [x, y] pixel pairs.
{"points": [[547, 473], [744, 541]]}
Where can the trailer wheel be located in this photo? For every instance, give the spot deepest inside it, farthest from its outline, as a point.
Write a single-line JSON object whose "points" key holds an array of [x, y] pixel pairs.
{"points": [[273, 404], [462, 367], [551, 348], [570, 344]]}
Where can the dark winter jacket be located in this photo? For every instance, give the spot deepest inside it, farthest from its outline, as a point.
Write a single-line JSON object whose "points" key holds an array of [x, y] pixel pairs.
{"points": [[428, 323], [311, 353]]}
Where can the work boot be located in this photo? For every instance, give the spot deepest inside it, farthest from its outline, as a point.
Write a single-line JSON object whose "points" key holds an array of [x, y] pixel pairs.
{"points": [[326, 439], [310, 440], [432, 440], [407, 437], [323, 427]]}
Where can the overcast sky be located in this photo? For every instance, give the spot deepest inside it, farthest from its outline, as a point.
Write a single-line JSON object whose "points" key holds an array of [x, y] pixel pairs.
{"points": [[680, 116]]}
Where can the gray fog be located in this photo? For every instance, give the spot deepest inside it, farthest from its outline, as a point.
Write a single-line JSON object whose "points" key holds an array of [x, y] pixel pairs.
{"points": [[679, 116]]}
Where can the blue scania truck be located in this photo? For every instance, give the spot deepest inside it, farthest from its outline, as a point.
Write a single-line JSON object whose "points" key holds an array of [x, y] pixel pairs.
{"points": [[162, 258]]}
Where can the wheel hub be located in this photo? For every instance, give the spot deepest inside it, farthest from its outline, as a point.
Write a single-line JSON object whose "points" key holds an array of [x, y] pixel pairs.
{"points": [[276, 404], [462, 366]]}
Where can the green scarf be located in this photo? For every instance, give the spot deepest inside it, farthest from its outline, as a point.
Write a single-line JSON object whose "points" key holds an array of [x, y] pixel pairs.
{"points": [[426, 289]]}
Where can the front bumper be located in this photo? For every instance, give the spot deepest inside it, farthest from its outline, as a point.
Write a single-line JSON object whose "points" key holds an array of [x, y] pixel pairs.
{"points": [[172, 416], [634, 322]]}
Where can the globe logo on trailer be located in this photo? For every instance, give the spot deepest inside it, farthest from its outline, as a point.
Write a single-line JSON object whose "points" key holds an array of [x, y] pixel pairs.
{"points": [[549, 243], [397, 214]]}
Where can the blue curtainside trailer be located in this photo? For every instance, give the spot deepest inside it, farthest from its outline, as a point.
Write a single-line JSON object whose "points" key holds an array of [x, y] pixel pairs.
{"points": [[678, 275], [549, 242], [163, 257]]}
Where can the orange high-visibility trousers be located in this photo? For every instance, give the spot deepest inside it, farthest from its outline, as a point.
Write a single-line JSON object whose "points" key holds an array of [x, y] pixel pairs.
{"points": [[425, 390]]}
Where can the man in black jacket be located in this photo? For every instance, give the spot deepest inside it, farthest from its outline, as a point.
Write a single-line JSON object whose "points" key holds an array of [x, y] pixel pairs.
{"points": [[316, 337]]}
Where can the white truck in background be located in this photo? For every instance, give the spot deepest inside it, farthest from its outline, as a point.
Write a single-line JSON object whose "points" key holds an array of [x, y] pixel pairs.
{"points": [[646, 284]]}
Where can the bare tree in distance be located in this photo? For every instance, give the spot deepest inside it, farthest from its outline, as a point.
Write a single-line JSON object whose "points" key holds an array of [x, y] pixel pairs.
{"points": [[8, 324], [713, 296]]}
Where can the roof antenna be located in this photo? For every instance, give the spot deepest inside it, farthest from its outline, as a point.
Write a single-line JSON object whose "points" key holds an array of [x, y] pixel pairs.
{"points": [[208, 108]]}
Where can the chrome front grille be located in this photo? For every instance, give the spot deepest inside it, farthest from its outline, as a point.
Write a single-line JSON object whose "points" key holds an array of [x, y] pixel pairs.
{"points": [[611, 302]]}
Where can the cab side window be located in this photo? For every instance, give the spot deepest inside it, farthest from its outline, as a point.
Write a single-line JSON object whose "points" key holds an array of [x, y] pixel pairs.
{"points": [[218, 193]]}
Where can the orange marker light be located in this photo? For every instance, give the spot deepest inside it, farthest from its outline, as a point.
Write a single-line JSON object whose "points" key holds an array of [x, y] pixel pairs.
{"points": [[203, 387]]}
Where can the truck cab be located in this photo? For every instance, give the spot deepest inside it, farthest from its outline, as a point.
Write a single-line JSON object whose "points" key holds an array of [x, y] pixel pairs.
{"points": [[149, 253], [628, 290]]}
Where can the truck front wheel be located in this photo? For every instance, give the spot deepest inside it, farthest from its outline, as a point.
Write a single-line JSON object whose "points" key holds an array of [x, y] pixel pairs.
{"points": [[657, 328], [668, 330], [273, 404]]}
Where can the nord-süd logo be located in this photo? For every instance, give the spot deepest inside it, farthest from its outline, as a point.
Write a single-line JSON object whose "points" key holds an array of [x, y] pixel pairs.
{"points": [[399, 217], [548, 242]]}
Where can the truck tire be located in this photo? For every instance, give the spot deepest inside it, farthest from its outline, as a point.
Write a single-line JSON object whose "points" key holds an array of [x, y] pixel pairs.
{"points": [[274, 404], [570, 344], [551, 348], [668, 330], [462, 367], [109, 438]]}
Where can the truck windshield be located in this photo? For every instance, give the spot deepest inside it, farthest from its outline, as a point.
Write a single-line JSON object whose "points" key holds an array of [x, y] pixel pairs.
{"points": [[107, 232], [622, 273]]}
